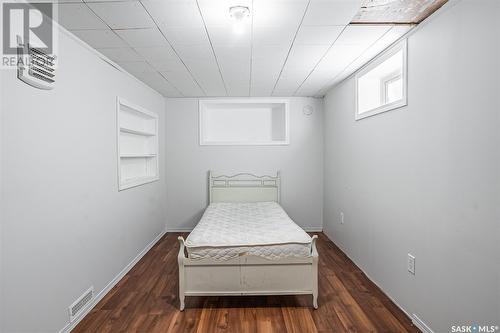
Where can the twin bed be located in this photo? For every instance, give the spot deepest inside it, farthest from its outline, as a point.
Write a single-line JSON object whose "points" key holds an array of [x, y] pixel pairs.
{"points": [[245, 244]]}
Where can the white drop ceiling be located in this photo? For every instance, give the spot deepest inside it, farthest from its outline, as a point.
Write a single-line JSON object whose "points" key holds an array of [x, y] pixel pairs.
{"points": [[190, 48]]}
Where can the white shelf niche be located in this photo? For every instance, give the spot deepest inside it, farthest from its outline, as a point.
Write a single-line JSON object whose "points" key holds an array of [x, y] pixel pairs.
{"points": [[137, 130], [244, 122]]}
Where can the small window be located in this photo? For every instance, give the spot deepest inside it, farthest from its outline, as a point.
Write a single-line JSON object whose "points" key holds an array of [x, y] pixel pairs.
{"points": [[243, 122], [137, 145], [381, 85]]}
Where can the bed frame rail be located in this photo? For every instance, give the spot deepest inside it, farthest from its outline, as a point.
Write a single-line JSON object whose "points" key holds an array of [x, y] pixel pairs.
{"points": [[248, 275]]}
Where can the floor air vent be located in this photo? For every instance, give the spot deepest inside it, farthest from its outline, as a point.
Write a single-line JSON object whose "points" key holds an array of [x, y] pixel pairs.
{"points": [[80, 304]]}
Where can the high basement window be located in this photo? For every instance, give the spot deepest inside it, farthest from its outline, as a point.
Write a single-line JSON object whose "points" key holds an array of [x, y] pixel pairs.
{"points": [[381, 85], [244, 122]]}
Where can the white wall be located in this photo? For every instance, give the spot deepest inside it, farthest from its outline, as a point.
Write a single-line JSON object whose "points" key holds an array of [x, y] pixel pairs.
{"points": [[425, 179], [1, 199], [300, 163], [66, 225]]}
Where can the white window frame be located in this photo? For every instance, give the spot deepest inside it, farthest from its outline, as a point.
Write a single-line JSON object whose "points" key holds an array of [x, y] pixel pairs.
{"points": [[402, 45], [385, 82]]}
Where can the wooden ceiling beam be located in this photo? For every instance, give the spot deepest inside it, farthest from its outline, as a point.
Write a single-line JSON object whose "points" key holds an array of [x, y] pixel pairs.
{"points": [[396, 11]]}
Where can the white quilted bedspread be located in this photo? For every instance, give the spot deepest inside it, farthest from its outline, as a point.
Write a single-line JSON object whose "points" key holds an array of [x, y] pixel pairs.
{"points": [[228, 230]]}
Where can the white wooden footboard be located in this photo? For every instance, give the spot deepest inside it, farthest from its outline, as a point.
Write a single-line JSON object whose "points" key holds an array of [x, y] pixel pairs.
{"points": [[248, 275]]}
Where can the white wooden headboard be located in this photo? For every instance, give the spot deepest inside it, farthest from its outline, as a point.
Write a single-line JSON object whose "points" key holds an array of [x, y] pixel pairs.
{"points": [[243, 187]]}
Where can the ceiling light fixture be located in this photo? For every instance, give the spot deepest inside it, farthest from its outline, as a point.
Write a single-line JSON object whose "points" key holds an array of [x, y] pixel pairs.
{"points": [[239, 14]]}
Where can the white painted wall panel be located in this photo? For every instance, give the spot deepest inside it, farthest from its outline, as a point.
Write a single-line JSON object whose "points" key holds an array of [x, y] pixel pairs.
{"points": [[425, 178], [301, 164], [66, 226]]}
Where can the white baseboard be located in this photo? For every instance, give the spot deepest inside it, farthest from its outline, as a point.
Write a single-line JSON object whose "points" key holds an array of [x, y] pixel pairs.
{"points": [[415, 320], [420, 324], [308, 229], [70, 326], [179, 229], [313, 229]]}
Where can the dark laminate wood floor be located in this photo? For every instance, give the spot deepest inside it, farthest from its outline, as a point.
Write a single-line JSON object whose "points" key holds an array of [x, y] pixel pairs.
{"points": [[146, 300]]}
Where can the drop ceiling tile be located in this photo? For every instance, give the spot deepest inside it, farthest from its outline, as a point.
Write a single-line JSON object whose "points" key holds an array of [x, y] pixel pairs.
{"points": [[216, 13], [148, 37], [105, 0], [308, 92], [261, 76], [170, 94], [100, 38], [263, 71], [380, 45], [156, 53], [185, 35], [233, 53], [331, 12], [74, 16], [184, 82], [289, 81], [264, 89], [56, 1], [362, 34], [282, 13], [212, 85], [339, 57], [238, 88], [235, 72], [201, 51], [202, 65], [314, 83], [136, 67], [166, 65], [320, 77], [215, 90], [206, 72], [234, 63], [224, 35], [121, 54], [284, 90], [174, 13], [270, 53], [295, 75], [267, 62], [276, 35], [318, 35], [123, 15], [392, 35], [306, 56], [156, 81], [350, 45]]}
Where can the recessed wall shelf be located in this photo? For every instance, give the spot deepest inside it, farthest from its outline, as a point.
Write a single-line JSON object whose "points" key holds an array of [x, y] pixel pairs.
{"points": [[244, 121], [137, 131], [136, 155]]}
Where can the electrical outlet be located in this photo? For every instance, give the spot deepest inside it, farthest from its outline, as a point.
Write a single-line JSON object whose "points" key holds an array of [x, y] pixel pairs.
{"points": [[341, 217], [411, 264]]}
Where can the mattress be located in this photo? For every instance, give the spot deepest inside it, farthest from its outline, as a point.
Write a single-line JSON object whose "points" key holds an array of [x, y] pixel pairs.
{"points": [[262, 229]]}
